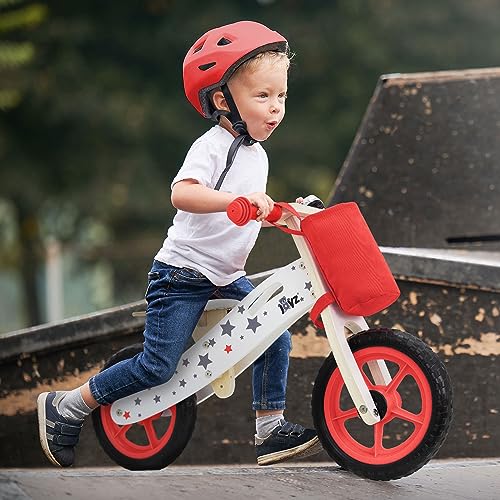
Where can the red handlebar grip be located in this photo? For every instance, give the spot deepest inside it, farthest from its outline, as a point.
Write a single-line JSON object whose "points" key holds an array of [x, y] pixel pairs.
{"points": [[241, 211], [275, 214]]}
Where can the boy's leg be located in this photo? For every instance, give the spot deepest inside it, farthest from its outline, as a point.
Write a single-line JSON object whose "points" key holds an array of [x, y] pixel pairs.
{"points": [[176, 298], [270, 371], [276, 440]]}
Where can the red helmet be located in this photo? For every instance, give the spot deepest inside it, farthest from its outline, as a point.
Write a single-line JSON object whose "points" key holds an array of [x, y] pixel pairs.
{"points": [[214, 57]]}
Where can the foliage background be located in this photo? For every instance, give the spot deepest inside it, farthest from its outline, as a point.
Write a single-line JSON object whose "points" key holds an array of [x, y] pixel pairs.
{"points": [[99, 125]]}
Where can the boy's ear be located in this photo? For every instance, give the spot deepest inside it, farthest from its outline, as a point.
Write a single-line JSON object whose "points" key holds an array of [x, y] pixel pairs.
{"points": [[219, 100]]}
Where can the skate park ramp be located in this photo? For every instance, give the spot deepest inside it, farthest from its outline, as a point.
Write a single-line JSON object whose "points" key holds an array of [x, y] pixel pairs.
{"points": [[425, 164]]}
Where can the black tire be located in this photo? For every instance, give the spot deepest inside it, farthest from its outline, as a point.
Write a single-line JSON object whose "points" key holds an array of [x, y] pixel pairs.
{"points": [[430, 428], [179, 425]]}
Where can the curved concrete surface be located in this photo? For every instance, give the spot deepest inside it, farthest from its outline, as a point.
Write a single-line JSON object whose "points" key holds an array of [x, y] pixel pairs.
{"points": [[475, 479]]}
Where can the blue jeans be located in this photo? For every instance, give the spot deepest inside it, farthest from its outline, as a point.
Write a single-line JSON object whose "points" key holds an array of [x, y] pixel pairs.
{"points": [[176, 298]]}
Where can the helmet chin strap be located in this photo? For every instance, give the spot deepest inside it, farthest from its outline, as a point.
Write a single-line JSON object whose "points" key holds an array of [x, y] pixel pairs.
{"points": [[239, 126]]}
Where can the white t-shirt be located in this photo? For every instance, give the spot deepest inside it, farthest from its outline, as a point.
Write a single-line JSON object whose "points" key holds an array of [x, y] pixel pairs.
{"points": [[211, 243]]}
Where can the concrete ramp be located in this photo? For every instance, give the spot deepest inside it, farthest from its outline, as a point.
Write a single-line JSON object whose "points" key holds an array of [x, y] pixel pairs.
{"points": [[425, 163]]}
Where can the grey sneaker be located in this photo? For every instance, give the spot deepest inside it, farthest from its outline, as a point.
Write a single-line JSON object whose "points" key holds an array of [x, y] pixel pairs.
{"points": [[58, 435], [287, 441]]}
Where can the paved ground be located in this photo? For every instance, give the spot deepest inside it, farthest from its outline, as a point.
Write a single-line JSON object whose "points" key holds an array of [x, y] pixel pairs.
{"points": [[476, 479]]}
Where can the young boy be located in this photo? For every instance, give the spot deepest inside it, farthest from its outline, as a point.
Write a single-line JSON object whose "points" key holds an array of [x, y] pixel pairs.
{"points": [[237, 76]]}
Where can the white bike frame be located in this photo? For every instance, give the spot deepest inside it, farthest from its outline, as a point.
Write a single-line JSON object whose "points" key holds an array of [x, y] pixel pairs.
{"points": [[231, 335]]}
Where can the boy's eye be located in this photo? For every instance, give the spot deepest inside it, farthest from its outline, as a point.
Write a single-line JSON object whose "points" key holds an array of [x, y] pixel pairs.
{"points": [[262, 95], [283, 95]]}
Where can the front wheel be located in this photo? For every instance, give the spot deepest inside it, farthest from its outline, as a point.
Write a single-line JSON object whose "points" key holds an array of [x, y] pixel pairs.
{"points": [[152, 443], [415, 407]]}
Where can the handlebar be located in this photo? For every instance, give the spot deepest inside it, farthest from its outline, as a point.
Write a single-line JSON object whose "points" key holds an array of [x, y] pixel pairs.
{"points": [[241, 211]]}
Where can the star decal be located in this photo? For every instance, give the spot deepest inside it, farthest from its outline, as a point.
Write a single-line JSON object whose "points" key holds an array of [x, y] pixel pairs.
{"points": [[182, 383], [264, 313], [126, 415], [293, 268], [185, 362], [212, 342], [228, 348], [174, 393], [157, 399], [137, 401], [176, 372], [241, 337], [227, 328], [204, 360], [308, 286], [253, 324], [241, 309], [195, 376]]}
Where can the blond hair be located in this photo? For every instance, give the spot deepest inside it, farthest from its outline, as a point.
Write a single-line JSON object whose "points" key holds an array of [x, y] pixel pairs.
{"points": [[271, 56]]}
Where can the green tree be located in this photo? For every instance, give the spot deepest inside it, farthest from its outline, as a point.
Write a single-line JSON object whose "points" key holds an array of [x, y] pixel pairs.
{"points": [[17, 20], [16, 16]]}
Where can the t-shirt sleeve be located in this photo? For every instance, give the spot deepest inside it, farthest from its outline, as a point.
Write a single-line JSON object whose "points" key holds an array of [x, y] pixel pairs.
{"points": [[199, 164]]}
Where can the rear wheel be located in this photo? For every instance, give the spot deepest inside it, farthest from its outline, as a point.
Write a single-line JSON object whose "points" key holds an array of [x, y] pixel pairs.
{"points": [[152, 443], [415, 407]]}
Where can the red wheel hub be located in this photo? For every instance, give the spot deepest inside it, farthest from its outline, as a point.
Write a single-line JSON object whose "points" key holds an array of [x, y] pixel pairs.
{"points": [[143, 439], [338, 419]]}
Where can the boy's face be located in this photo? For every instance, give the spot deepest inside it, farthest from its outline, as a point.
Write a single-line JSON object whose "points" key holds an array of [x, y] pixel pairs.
{"points": [[260, 96]]}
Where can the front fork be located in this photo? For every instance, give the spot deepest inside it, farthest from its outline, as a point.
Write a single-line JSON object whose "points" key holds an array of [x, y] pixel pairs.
{"points": [[336, 323]]}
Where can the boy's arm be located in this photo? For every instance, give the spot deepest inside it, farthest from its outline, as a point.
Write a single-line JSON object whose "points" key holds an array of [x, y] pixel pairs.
{"points": [[191, 196]]}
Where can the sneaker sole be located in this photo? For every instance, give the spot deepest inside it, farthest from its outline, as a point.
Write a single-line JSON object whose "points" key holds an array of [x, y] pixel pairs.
{"points": [[313, 450], [304, 450], [42, 427]]}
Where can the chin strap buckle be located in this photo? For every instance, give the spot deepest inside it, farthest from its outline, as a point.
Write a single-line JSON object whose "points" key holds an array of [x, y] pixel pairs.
{"points": [[240, 127]]}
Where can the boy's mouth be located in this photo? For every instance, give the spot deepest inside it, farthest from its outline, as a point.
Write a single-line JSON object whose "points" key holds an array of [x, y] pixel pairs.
{"points": [[271, 125]]}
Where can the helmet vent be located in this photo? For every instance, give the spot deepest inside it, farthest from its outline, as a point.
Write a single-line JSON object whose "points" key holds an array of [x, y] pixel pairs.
{"points": [[197, 49], [204, 67], [224, 41]]}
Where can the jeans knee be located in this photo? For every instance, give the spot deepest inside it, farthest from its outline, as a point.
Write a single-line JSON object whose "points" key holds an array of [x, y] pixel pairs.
{"points": [[158, 371]]}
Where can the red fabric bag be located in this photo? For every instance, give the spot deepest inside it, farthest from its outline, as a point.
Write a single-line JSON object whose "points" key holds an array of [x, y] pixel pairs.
{"points": [[357, 274]]}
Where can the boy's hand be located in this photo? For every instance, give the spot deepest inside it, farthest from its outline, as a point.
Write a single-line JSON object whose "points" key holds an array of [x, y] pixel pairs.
{"points": [[263, 202]]}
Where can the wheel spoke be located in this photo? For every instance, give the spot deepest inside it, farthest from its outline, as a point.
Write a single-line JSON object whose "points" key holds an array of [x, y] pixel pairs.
{"points": [[378, 435], [151, 433], [122, 430], [400, 375], [407, 415], [347, 415]]}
